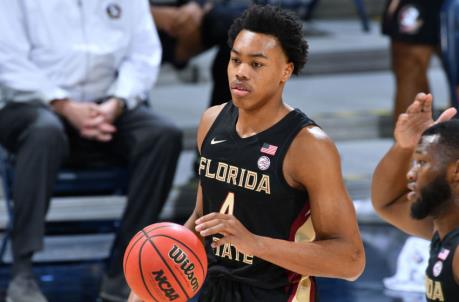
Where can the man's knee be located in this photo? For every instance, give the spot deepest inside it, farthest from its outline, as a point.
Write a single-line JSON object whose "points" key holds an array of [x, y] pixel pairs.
{"points": [[170, 138], [173, 135], [47, 133], [165, 138]]}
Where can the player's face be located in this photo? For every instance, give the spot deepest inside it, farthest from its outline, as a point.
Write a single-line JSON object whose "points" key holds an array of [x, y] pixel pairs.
{"points": [[430, 190], [257, 70]]}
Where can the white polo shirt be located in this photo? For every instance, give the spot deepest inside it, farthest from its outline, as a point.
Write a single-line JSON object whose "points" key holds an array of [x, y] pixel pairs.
{"points": [[80, 49]]}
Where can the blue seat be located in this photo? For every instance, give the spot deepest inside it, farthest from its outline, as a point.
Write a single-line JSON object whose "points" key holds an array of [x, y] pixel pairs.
{"points": [[100, 180], [450, 46]]}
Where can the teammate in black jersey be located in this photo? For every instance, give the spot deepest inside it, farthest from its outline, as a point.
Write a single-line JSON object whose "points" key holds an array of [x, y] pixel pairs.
{"points": [[416, 188], [271, 203]]}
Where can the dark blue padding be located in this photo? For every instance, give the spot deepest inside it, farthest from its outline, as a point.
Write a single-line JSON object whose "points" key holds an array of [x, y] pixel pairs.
{"points": [[450, 45]]}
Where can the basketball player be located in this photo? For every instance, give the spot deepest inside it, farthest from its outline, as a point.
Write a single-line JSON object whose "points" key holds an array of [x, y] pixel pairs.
{"points": [[271, 204], [416, 188]]}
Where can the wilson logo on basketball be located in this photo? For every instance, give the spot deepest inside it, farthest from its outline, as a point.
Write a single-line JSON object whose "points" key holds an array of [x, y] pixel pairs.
{"points": [[180, 257], [164, 285]]}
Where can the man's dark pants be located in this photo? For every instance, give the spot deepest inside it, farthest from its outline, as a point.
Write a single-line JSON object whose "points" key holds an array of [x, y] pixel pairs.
{"points": [[42, 142]]}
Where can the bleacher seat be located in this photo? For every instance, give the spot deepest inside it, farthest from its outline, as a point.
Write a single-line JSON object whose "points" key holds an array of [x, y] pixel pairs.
{"points": [[104, 179]]}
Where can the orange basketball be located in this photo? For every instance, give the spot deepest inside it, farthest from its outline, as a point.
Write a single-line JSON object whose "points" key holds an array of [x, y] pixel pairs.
{"points": [[165, 262]]}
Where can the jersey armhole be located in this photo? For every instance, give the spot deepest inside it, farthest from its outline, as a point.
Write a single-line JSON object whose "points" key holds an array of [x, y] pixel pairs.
{"points": [[219, 117], [286, 147]]}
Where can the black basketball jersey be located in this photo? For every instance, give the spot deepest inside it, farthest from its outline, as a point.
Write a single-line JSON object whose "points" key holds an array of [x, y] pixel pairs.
{"points": [[440, 283], [243, 177]]}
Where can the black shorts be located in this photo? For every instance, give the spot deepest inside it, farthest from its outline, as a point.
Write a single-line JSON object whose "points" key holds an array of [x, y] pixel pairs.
{"points": [[413, 21], [221, 289]]}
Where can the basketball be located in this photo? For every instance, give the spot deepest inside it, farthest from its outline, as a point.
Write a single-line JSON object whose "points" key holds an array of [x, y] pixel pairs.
{"points": [[165, 262]]}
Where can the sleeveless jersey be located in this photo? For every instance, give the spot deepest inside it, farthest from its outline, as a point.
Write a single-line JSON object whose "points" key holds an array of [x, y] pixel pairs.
{"points": [[243, 177], [440, 283]]}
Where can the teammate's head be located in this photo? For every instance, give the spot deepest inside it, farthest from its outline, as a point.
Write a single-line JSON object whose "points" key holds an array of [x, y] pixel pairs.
{"points": [[267, 47], [276, 22], [434, 177]]}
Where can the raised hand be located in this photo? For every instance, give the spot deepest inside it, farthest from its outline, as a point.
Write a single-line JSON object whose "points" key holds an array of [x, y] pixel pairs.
{"points": [[417, 118]]}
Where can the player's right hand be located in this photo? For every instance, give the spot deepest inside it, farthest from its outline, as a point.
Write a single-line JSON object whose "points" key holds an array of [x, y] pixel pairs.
{"points": [[133, 298], [417, 118]]}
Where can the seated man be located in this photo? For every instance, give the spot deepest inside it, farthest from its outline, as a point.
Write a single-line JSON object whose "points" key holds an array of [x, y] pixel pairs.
{"points": [[188, 28], [74, 76]]}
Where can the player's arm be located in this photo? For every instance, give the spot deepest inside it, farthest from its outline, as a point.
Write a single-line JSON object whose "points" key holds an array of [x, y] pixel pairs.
{"points": [[313, 163], [456, 265], [207, 119], [389, 193], [389, 183]]}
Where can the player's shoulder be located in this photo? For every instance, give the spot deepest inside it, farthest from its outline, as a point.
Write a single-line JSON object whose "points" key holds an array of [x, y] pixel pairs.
{"points": [[312, 144], [211, 113], [311, 150], [209, 116], [311, 137], [207, 119]]}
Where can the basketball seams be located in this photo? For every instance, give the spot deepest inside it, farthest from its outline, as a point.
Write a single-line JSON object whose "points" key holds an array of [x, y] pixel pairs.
{"points": [[167, 264], [142, 233], [141, 271], [194, 254], [154, 227], [128, 253]]}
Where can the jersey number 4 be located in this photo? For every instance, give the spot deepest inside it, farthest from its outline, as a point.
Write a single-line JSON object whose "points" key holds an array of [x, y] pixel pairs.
{"points": [[228, 204]]}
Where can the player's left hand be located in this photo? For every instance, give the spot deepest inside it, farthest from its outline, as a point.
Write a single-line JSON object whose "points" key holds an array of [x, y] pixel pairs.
{"points": [[232, 230], [417, 118]]}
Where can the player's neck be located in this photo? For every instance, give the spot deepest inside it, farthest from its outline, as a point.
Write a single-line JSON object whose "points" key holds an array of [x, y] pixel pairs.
{"points": [[255, 121], [447, 221]]}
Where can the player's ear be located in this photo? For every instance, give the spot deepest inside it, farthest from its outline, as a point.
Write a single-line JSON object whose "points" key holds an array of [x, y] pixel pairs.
{"points": [[453, 170], [287, 72]]}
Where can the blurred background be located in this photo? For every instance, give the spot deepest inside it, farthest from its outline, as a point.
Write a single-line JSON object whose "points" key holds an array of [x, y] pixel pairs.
{"points": [[347, 87]]}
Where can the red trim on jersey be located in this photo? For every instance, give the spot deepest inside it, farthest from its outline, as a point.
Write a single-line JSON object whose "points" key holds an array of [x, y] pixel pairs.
{"points": [[312, 297], [292, 295], [299, 221], [294, 278]]}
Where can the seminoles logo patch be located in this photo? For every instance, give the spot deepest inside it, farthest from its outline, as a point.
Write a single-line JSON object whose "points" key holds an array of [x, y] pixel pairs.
{"points": [[263, 163], [438, 267], [114, 11], [409, 20]]}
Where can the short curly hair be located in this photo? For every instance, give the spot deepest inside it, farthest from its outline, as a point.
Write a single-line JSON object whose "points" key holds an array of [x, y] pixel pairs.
{"points": [[274, 21]]}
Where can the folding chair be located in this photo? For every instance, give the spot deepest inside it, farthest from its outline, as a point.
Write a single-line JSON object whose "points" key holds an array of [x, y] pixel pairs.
{"points": [[450, 46], [103, 180]]}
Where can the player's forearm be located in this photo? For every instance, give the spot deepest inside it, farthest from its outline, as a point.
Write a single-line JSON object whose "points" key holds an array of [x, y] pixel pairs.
{"points": [[389, 178], [334, 258]]}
